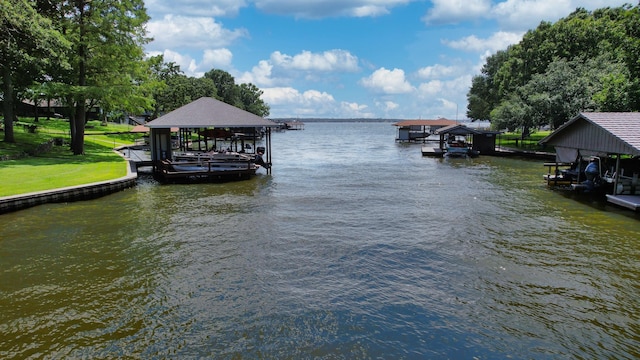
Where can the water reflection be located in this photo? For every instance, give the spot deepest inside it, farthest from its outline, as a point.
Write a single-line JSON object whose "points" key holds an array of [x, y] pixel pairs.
{"points": [[348, 250]]}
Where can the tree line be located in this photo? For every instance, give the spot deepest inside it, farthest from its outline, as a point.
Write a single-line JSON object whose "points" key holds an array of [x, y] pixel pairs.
{"points": [[90, 54], [587, 61]]}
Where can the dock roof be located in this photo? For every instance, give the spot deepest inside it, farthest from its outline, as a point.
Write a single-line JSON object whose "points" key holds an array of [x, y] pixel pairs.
{"points": [[457, 129], [209, 112], [602, 132]]}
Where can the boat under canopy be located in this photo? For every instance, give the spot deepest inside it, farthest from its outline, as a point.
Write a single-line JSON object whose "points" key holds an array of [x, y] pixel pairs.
{"points": [[613, 138], [211, 119]]}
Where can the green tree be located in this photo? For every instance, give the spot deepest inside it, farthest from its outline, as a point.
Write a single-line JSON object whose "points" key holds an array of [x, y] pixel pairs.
{"points": [[243, 96], [631, 53], [588, 60], [161, 72], [251, 101], [483, 95], [226, 87], [29, 45], [512, 114], [106, 56], [565, 89], [178, 89], [201, 87], [616, 91]]}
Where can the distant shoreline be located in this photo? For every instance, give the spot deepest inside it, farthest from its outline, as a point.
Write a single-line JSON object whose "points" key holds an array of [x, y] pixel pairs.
{"points": [[333, 120], [352, 120]]}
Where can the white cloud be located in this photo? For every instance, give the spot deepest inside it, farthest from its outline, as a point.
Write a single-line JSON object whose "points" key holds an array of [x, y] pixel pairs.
{"points": [[447, 96], [527, 14], [498, 41], [514, 15], [323, 8], [387, 82], [187, 63], [328, 61], [195, 7], [449, 107], [280, 95], [454, 11], [217, 58], [431, 88], [282, 69], [212, 58], [354, 110], [289, 102], [439, 71], [387, 106], [190, 32], [259, 75], [368, 11], [449, 88]]}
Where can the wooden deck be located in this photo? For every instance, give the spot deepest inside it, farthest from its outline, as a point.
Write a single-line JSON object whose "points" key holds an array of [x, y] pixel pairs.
{"points": [[432, 151]]}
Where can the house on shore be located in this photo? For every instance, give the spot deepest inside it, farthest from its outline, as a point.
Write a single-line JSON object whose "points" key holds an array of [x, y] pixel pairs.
{"points": [[611, 137]]}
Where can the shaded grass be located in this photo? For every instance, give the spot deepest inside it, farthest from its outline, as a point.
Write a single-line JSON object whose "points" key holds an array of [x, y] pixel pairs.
{"points": [[515, 141], [59, 167]]}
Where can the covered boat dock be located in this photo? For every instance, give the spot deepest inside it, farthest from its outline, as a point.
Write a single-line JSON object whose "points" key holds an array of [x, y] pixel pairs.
{"points": [[419, 130], [209, 118], [611, 137], [473, 141]]}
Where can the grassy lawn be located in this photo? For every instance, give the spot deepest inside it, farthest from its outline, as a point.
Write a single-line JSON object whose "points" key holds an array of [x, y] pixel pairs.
{"points": [[530, 143], [59, 167]]}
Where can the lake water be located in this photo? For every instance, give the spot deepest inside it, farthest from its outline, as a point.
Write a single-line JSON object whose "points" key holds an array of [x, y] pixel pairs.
{"points": [[355, 247]]}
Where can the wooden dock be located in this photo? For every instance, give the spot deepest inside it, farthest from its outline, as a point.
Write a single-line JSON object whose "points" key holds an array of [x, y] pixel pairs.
{"points": [[432, 151], [137, 156]]}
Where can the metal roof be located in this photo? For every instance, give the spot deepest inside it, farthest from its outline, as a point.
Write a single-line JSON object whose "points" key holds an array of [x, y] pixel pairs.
{"points": [[438, 122], [457, 129], [209, 112], [603, 132]]}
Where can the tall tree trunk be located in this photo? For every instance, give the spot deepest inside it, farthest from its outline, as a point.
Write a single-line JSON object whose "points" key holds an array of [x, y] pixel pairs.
{"points": [[77, 141], [8, 104], [78, 122], [36, 112], [72, 120]]}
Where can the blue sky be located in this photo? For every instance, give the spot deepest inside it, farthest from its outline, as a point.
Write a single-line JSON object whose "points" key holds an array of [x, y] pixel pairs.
{"points": [[397, 59]]}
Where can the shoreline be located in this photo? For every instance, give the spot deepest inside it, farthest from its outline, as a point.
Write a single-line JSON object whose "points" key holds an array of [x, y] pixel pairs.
{"points": [[95, 190], [89, 191]]}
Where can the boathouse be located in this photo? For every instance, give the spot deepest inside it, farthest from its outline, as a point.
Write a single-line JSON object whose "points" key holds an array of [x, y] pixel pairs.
{"points": [[293, 125], [482, 142], [477, 141], [207, 117], [614, 136], [419, 130]]}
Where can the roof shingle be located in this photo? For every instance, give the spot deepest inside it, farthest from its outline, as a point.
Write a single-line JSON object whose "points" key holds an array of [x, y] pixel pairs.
{"points": [[209, 112]]}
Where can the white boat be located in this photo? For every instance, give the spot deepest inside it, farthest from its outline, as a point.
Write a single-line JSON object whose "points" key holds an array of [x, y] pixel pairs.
{"points": [[459, 148]]}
